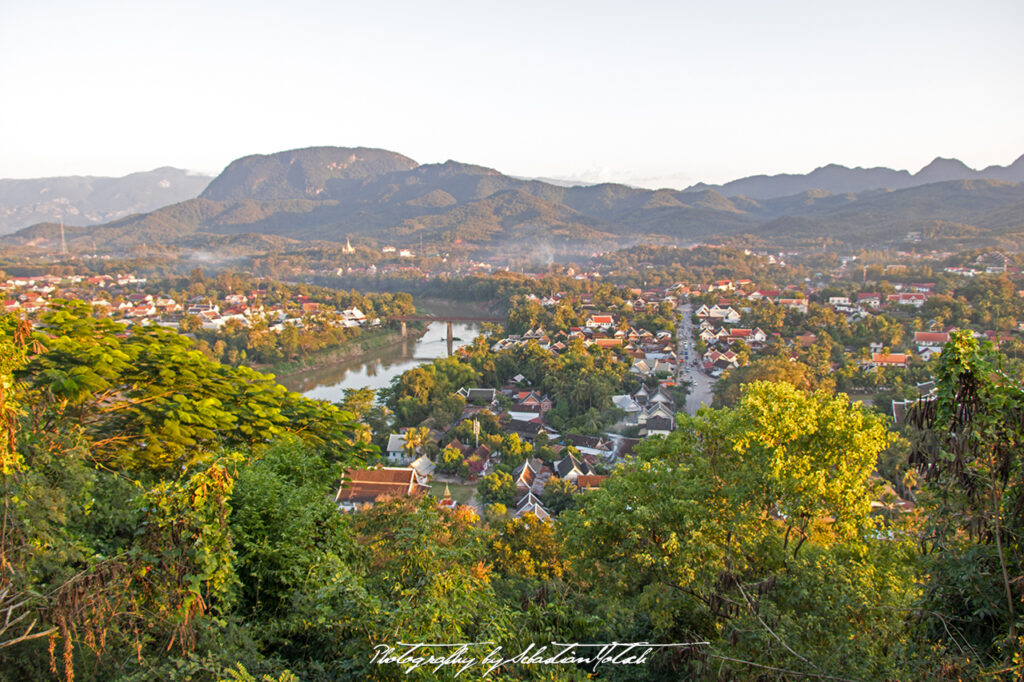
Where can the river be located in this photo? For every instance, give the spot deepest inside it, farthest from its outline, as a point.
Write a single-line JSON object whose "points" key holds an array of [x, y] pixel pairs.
{"points": [[377, 368]]}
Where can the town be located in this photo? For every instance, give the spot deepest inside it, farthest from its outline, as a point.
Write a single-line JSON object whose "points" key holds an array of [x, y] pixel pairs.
{"points": [[594, 382]]}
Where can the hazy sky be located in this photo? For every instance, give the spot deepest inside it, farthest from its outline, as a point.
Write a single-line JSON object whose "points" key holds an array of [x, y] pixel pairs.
{"points": [[646, 92]]}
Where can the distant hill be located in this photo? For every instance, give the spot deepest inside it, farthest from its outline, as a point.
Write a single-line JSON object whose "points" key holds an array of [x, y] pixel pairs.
{"points": [[88, 200], [837, 179], [301, 174], [377, 197]]}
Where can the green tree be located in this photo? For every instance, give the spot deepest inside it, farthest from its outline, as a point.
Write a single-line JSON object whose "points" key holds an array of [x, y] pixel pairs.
{"points": [[969, 457], [749, 528], [528, 548], [415, 438], [449, 460], [497, 487], [559, 494], [513, 450], [190, 324]]}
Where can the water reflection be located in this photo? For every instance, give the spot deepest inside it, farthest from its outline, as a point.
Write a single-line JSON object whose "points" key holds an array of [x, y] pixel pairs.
{"points": [[377, 369]]}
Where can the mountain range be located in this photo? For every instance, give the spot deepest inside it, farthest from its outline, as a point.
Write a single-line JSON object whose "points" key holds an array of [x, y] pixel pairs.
{"points": [[840, 179], [89, 200], [376, 197]]}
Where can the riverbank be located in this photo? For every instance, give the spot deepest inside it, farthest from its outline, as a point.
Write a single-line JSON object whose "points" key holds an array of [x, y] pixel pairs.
{"points": [[367, 342], [441, 306], [327, 376]]}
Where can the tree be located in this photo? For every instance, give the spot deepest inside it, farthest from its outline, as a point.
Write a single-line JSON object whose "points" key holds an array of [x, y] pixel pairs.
{"points": [[358, 401], [527, 547], [513, 450], [449, 460], [728, 389], [969, 457], [190, 324], [559, 494], [497, 487], [149, 400], [749, 528], [495, 513], [415, 438]]}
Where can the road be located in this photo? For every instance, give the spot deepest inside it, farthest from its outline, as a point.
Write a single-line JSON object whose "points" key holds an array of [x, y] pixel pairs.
{"points": [[700, 394]]}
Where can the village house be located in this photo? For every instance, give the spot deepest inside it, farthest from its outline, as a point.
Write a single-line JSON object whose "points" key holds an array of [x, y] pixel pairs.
{"points": [[870, 300], [714, 360], [726, 315], [526, 430], [531, 504], [634, 412], [569, 468], [753, 338], [531, 475], [658, 426], [915, 299], [533, 399], [806, 340], [888, 360], [764, 294], [362, 488], [600, 322], [641, 368], [591, 445], [480, 396], [586, 483], [424, 468], [396, 452], [797, 304], [935, 340]]}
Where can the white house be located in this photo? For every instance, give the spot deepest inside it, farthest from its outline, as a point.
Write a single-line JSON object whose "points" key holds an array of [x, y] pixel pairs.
{"points": [[395, 452]]}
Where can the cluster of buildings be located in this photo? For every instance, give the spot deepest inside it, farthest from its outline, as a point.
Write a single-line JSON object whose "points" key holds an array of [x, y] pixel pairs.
{"points": [[716, 327], [653, 410], [650, 354], [521, 409], [33, 294], [991, 263], [531, 476], [121, 297]]}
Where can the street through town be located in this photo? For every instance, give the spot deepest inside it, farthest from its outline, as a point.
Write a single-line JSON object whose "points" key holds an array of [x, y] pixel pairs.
{"points": [[700, 394]]}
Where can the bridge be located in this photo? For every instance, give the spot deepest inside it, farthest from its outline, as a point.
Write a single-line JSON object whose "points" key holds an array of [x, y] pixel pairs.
{"points": [[446, 318]]}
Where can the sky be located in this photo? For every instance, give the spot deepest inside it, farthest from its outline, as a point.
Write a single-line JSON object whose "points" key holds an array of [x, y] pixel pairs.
{"points": [[650, 93]]}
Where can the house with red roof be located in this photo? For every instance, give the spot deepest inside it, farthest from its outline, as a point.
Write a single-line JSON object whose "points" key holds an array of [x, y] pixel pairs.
{"points": [[870, 299], [797, 304], [915, 299], [889, 359], [362, 488], [930, 339]]}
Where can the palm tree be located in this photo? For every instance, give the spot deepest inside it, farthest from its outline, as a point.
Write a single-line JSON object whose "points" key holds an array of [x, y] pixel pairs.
{"points": [[414, 439]]}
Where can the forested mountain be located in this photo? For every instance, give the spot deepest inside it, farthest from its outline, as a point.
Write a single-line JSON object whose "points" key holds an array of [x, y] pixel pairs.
{"points": [[301, 173], [87, 200], [378, 197]]}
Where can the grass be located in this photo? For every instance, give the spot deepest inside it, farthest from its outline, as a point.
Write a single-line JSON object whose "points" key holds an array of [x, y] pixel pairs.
{"points": [[461, 492]]}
